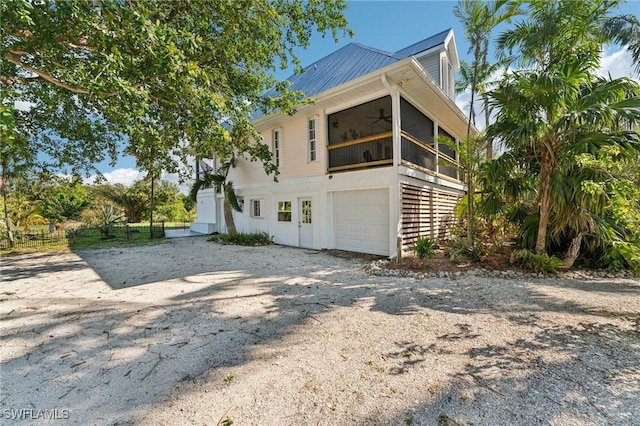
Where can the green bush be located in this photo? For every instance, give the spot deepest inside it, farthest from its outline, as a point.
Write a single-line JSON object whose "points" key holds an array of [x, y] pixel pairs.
{"points": [[425, 247], [620, 256], [242, 239], [539, 262]]}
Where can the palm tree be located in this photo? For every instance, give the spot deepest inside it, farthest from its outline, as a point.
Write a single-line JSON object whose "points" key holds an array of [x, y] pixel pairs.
{"points": [[555, 118], [557, 101], [219, 182], [479, 19]]}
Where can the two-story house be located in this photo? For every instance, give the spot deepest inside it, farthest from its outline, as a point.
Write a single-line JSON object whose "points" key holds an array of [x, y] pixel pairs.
{"points": [[360, 168]]}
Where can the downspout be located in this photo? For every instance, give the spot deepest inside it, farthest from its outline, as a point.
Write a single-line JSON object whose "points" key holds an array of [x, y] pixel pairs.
{"points": [[394, 212]]}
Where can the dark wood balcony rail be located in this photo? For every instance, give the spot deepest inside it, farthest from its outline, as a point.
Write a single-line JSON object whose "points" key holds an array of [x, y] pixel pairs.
{"points": [[369, 151]]}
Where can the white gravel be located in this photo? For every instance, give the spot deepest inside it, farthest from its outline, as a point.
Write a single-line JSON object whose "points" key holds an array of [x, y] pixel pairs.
{"points": [[194, 332]]}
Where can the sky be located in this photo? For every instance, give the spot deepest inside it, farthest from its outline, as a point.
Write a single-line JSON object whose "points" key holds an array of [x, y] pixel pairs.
{"points": [[391, 26]]}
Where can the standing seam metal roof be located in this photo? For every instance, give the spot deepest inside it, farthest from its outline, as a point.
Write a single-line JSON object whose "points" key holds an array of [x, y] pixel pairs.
{"points": [[353, 61], [350, 62]]}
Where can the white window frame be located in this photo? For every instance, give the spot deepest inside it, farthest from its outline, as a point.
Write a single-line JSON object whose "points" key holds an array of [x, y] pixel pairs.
{"points": [[445, 71], [312, 140], [276, 141], [284, 207], [256, 202]]}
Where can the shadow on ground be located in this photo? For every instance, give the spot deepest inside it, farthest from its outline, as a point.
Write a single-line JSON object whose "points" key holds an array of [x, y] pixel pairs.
{"points": [[154, 332]]}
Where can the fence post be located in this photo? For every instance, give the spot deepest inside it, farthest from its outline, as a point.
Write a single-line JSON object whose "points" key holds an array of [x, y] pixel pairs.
{"points": [[162, 229]]}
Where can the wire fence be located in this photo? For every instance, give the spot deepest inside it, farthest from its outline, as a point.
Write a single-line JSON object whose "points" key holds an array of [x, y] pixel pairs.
{"points": [[80, 236]]}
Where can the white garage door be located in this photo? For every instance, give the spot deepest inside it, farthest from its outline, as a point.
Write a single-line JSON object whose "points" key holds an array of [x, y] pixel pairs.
{"points": [[361, 221]]}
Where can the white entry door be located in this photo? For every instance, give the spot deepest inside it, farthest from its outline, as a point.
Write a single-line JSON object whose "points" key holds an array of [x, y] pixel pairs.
{"points": [[305, 223]]}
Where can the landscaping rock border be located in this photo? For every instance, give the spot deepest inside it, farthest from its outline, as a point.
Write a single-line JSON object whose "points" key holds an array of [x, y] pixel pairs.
{"points": [[381, 268]]}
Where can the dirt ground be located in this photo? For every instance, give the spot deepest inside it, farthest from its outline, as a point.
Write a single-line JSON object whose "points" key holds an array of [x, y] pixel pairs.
{"points": [[194, 332]]}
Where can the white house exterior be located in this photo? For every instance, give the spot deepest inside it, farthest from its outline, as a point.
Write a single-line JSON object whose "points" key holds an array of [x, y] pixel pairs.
{"points": [[360, 169]]}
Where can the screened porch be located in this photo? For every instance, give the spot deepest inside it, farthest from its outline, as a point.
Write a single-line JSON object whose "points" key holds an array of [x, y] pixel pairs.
{"points": [[361, 137]]}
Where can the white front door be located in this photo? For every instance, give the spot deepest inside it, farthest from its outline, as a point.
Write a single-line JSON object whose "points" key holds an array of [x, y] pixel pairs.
{"points": [[305, 223]]}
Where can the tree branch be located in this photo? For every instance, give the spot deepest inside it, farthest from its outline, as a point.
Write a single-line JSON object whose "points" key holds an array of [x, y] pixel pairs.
{"points": [[16, 56]]}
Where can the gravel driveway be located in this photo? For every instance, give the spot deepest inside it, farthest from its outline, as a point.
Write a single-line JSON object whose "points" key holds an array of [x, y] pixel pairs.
{"points": [[193, 332]]}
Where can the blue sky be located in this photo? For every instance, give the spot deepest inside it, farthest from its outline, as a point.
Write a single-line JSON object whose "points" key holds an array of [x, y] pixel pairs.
{"points": [[391, 25]]}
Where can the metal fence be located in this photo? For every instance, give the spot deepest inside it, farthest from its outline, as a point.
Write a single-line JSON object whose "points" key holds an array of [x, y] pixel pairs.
{"points": [[42, 238]]}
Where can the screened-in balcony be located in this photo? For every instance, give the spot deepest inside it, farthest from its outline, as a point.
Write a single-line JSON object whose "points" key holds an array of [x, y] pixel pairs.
{"points": [[361, 137]]}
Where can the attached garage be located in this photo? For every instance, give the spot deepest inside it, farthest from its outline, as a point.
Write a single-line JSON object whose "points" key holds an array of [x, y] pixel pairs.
{"points": [[361, 221]]}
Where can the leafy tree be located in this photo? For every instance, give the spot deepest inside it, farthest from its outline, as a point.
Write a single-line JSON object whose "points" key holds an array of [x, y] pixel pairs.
{"points": [[479, 19], [162, 76], [15, 157], [135, 200], [65, 199], [556, 109]]}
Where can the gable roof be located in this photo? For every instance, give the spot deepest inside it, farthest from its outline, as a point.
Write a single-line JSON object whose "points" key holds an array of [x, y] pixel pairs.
{"points": [[353, 61], [423, 45]]}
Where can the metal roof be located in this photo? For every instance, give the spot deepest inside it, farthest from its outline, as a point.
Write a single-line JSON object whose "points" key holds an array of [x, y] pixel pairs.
{"points": [[421, 46], [350, 62], [353, 61], [346, 64]]}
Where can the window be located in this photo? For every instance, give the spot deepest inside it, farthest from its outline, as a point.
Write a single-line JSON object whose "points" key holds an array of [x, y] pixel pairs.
{"points": [[277, 144], [256, 208], [444, 75], [312, 139], [305, 211], [284, 211]]}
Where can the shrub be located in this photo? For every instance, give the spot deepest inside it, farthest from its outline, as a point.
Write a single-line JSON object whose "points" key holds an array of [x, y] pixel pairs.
{"points": [[242, 239], [109, 217], [538, 262], [424, 247]]}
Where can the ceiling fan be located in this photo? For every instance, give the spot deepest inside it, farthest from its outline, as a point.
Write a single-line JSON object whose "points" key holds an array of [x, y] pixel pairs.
{"points": [[381, 117]]}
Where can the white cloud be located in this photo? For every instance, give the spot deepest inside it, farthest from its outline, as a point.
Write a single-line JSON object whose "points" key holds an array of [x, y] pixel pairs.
{"points": [[617, 63], [128, 177], [123, 176]]}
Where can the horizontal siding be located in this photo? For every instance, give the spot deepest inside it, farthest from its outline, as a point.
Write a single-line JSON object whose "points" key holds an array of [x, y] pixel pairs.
{"points": [[431, 64], [425, 212], [294, 155]]}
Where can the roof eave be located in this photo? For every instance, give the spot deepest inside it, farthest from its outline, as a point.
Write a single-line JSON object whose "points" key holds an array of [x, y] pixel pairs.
{"points": [[455, 60]]}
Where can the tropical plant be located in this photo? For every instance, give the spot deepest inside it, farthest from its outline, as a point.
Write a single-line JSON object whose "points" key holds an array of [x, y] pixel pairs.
{"points": [[243, 239], [24, 212], [555, 110], [218, 180], [479, 19], [424, 247], [540, 263], [108, 218]]}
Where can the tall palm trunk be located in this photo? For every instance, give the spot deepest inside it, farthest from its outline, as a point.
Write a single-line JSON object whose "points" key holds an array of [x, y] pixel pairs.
{"points": [[547, 168], [470, 177], [487, 117], [228, 217]]}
